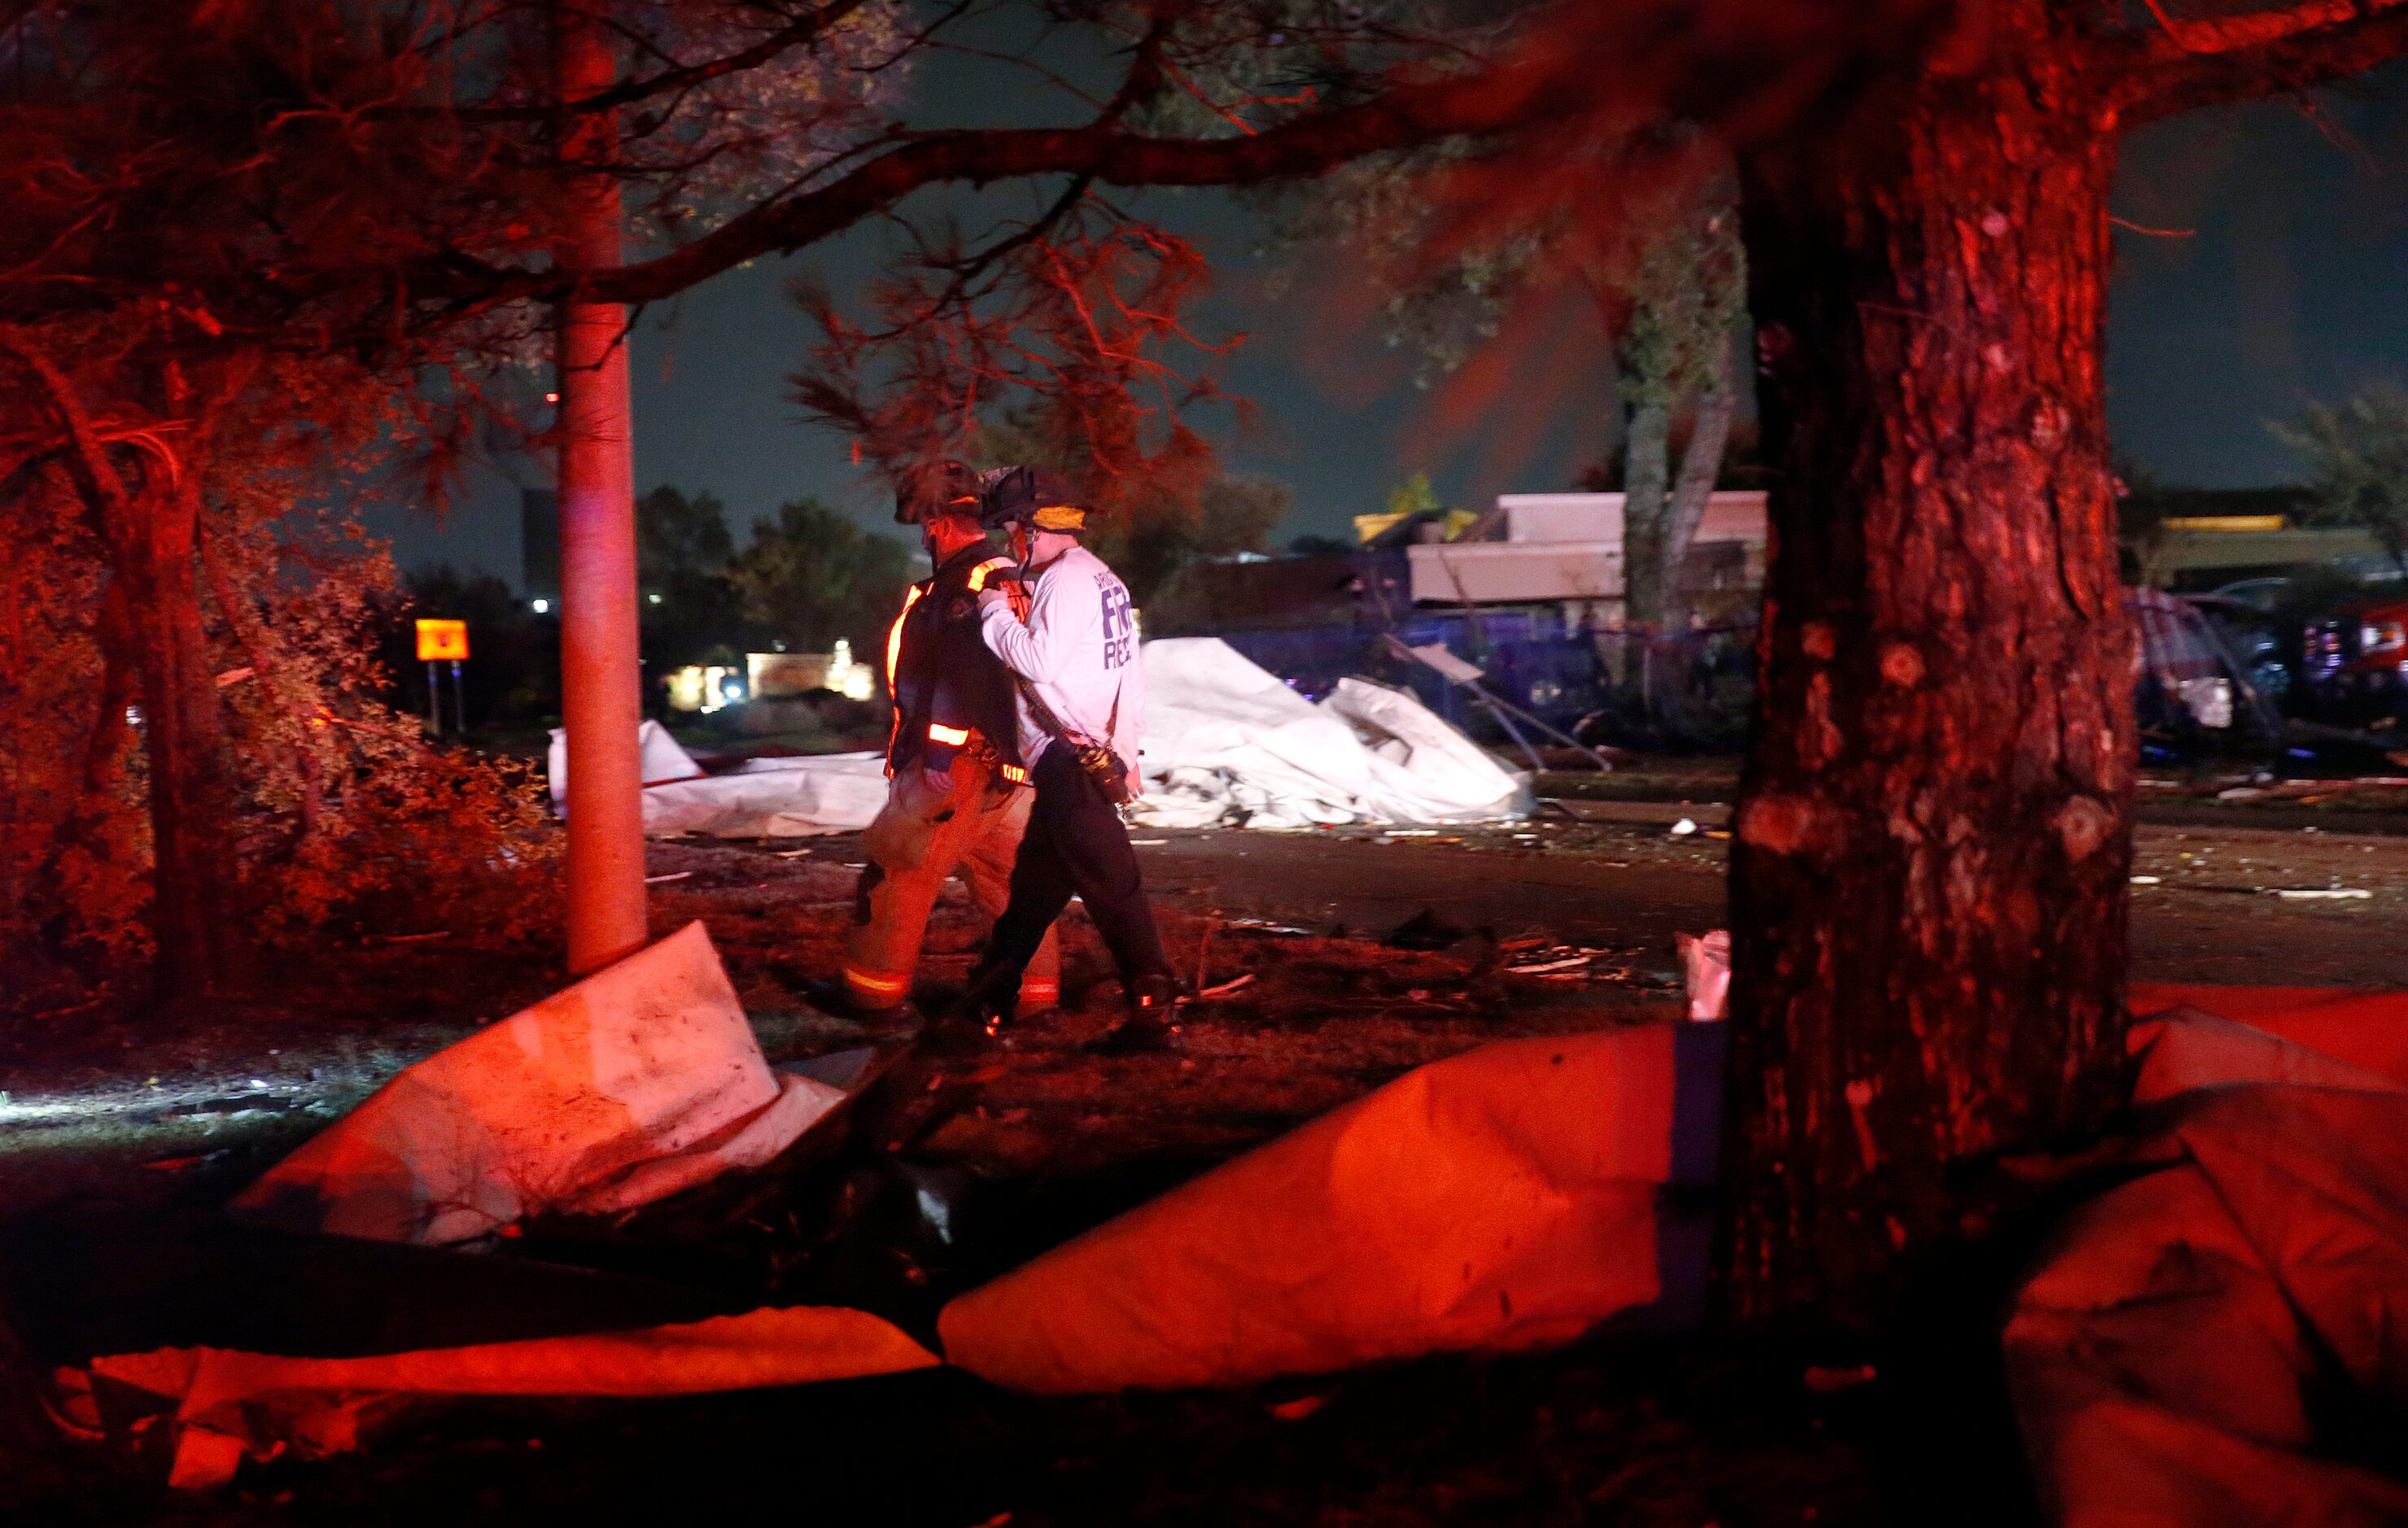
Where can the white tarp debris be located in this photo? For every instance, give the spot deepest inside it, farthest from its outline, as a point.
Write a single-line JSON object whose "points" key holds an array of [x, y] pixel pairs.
{"points": [[1224, 743], [1227, 742], [760, 798], [661, 760], [640, 1080], [773, 798]]}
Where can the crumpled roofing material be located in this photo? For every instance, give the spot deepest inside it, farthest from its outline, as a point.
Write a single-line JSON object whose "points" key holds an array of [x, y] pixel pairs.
{"points": [[2172, 1354], [1501, 1198], [231, 1405], [642, 1079]]}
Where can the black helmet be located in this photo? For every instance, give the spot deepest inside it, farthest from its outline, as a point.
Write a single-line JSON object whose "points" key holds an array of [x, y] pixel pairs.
{"points": [[1038, 496], [928, 490]]}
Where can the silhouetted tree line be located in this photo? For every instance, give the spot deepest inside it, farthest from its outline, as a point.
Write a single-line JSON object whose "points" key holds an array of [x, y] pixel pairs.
{"points": [[805, 577]]}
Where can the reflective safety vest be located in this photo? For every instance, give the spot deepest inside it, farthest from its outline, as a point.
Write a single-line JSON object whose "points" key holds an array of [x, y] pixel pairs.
{"points": [[950, 691]]}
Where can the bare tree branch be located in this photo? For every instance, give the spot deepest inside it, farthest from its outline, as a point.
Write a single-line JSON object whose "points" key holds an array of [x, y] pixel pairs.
{"points": [[87, 459], [1604, 67], [2198, 64], [2199, 36], [812, 26]]}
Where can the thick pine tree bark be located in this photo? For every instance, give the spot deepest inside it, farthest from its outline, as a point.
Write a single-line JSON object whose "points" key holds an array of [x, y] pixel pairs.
{"points": [[1929, 877]]}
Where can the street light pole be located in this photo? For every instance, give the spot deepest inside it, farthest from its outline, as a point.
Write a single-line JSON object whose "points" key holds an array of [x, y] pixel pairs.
{"points": [[601, 694]]}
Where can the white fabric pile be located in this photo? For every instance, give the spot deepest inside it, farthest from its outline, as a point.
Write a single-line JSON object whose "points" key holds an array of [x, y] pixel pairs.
{"points": [[1226, 742], [760, 798]]}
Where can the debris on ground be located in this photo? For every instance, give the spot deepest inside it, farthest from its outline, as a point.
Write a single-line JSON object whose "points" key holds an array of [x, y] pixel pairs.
{"points": [[769, 797], [223, 1407], [1504, 1198], [638, 1082], [1706, 970], [1056, 1143], [1227, 742], [2210, 1342], [1531, 1165]]}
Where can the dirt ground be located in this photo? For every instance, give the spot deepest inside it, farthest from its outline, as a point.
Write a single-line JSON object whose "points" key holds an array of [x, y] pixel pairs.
{"points": [[1035, 1140]]}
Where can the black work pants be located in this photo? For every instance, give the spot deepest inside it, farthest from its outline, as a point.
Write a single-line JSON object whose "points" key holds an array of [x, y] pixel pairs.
{"points": [[1075, 844]]}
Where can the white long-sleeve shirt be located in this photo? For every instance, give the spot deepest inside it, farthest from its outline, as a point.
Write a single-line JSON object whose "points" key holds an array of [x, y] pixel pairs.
{"points": [[1077, 651]]}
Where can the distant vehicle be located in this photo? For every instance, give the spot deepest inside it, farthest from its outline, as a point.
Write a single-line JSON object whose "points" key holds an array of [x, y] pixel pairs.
{"points": [[2352, 664], [2193, 692], [2267, 594], [2256, 637]]}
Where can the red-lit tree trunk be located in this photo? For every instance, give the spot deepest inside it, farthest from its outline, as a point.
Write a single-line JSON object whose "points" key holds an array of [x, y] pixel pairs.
{"points": [[148, 520], [153, 543], [601, 679], [1929, 881]]}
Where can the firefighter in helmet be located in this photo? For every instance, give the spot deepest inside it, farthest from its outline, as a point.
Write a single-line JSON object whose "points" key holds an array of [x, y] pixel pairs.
{"points": [[959, 795]]}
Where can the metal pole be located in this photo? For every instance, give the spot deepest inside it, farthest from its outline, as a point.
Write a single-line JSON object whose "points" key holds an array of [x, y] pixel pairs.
{"points": [[459, 705], [601, 694], [433, 701]]}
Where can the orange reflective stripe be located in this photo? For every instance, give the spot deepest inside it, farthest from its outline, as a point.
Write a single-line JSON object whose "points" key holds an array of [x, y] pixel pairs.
{"points": [[939, 732], [894, 657], [1030, 986], [883, 985], [1016, 775], [895, 635], [986, 570]]}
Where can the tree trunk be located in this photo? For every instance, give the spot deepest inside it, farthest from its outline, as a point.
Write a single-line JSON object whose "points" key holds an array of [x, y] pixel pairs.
{"points": [[1646, 468], [1701, 466], [194, 920], [1929, 881], [601, 679], [148, 532]]}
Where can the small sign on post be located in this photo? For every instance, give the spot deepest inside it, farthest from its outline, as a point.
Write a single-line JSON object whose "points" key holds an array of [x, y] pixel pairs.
{"points": [[440, 641]]}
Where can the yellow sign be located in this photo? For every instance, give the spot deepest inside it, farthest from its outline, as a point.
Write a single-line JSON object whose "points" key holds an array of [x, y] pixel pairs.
{"points": [[442, 639]]}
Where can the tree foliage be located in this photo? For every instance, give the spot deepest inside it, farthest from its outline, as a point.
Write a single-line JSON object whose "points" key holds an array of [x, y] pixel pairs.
{"points": [[684, 553], [340, 817], [812, 574], [237, 267], [1151, 526], [1668, 295], [2356, 456]]}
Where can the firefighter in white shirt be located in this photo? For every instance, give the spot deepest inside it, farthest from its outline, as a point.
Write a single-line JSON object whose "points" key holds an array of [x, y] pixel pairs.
{"points": [[958, 798], [1082, 694]]}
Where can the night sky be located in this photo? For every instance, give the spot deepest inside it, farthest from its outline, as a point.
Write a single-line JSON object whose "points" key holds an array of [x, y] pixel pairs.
{"points": [[2291, 284]]}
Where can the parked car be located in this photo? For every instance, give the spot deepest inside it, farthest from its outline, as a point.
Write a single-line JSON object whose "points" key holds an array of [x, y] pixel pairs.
{"points": [[2256, 637], [2352, 664]]}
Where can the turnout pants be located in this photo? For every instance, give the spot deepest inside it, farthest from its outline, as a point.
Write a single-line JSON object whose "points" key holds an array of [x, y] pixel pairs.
{"points": [[932, 825], [1075, 845]]}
